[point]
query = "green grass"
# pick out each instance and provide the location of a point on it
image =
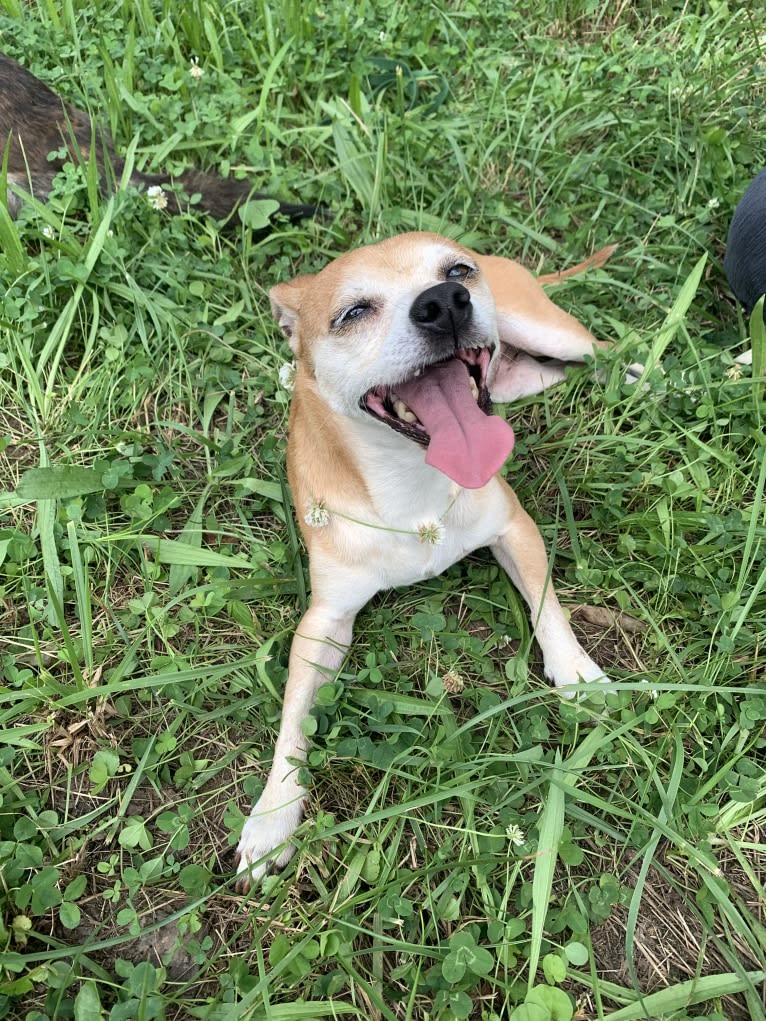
(475, 847)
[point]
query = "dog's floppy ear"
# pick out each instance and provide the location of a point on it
(286, 307)
(528, 321)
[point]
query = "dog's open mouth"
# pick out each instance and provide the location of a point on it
(446, 407)
(385, 403)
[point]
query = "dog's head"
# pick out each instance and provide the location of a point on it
(404, 331)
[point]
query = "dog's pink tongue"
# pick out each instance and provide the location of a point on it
(466, 444)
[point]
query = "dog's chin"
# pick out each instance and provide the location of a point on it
(383, 403)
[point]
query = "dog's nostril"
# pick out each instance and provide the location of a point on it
(428, 312)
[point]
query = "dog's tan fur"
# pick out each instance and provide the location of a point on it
(368, 489)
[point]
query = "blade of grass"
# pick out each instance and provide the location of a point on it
(564, 777)
(758, 342)
(668, 800)
(82, 596)
(9, 238)
(54, 579)
(666, 333)
(550, 829)
(53, 350)
(687, 994)
(191, 536)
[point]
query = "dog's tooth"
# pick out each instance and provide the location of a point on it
(403, 411)
(474, 388)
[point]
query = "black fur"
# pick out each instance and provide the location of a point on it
(745, 261)
(35, 122)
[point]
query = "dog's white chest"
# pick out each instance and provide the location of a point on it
(417, 533)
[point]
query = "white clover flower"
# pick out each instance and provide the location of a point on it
(47, 231)
(317, 515)
(733, 373)
(516, 835)
(453, 682)
(287, 375)
(431, 533)
(195, 70)
(157, 197)
(713, 203)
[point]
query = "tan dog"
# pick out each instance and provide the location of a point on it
(393, 458)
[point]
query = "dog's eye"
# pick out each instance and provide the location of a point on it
(460, 271)
(347, 315)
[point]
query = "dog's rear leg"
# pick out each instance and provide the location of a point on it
(317, 652)
(521, 553)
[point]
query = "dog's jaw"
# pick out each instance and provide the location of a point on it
(383, 403)
(446, 407)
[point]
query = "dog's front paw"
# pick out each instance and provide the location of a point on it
(260, 846)
(572, 670)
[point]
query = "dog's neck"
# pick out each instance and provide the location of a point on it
(401, 486)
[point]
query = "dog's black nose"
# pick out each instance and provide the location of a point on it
(444, 308)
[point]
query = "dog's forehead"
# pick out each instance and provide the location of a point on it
(404, 260)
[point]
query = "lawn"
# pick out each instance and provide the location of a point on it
(475, 847)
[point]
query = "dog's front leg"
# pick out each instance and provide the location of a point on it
(317, 652)
(521, 552)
